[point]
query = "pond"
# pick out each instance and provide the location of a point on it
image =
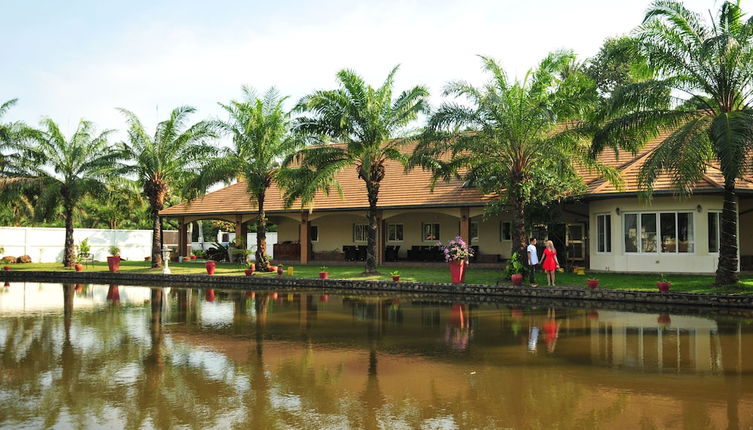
(107, 356)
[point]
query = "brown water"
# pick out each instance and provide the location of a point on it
(101, 356)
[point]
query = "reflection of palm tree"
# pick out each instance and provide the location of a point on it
(728, 332)
(372, 397)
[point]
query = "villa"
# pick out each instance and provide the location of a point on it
(605, 229)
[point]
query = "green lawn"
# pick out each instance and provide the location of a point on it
(687, 283)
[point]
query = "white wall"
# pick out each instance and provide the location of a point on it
(45, 245)
(699, 261)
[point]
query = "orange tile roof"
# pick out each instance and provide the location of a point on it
(412, 189)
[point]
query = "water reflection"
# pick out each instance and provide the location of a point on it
(115, 356)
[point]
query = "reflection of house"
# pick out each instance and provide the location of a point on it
(606, 229)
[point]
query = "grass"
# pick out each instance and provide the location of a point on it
(616, 281)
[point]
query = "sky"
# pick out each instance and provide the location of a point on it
(72, 60)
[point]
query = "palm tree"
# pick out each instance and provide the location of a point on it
(62, 170)
(166, 161)
(7, 132)
(711, 65)
(508, 139)
(260, 129)
(371, 126)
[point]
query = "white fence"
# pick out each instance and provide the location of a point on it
(45, 245)
(250, 240)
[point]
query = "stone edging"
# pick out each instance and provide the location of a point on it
(744, 301)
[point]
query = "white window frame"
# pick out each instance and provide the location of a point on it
(311, 236)
(437, 233)
(718, 215)
(402, 232)
(502, 231)
(657, 215)
(478, 232)
(607, 234)
(365, 232)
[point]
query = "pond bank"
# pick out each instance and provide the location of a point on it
(743, 301)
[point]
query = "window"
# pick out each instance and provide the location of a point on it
(395, 232)
(714, 231)
(474, 232)
(604, 233)
(360, 232)
(665, 232)
(314, 233)
(506, 231)
(429, 232)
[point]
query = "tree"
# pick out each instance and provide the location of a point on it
(123, 206)
(7, 131)
(370, 127)
(511, 139)
(166, 161)
(711, 66)
(262, 139)
(618, 62)
(63, 171)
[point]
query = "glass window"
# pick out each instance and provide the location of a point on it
(360, 232)
(474, 232)
(604, 233)
(506, 231)
(714, 231)
(395, 232)
(685, 233)
(668, 225)
(430, 232)
(314, 233)
(648, 233)
(631, 232)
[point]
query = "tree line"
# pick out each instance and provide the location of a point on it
(678, 75)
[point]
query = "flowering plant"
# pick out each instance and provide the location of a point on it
(456, 250)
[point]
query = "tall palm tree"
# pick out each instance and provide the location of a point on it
(371, 127)
(711, 66)
(166, 161)
(262, 139)
(7, 132)
(509, 138)
(63, 170)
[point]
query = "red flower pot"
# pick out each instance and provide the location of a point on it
(279, 271)
(113, 263)
(663, 286)
(271, 268)
(78, 267)
(249, 272)
(252, 267)
(395, 278)
(517, 279)
(210, 295)
(457, 269)
(210, 266)
(465, 270)
(6, 268)
(193, 257)
(593, 283)
(323, 275)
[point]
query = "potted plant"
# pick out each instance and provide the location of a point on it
(514, 270)
(78, 266)
(663, 284)
(456, 254)
(210, 266)
(323, 274)
(251, 269)
(395, 275)
(6, 268)
(113, 261)
(84, 250)
(279, 270)
(593, 283)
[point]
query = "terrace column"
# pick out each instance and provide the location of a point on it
(183, 243)
(465, 225)
(380, 239)
(241, 230)
(305, 237)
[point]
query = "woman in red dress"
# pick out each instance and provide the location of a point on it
(550, 263)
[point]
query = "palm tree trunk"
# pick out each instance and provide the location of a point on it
(519, 239)
(156, 239)
(726, 272)
(261, 235)
(371, 241)
(69, 257)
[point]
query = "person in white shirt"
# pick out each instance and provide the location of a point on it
(533, 260)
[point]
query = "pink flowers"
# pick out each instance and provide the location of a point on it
(456, 250)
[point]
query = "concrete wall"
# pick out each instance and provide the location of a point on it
(45, 245)
(699, 261)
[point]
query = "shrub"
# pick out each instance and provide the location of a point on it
(8, 259)
(514, 266)
(23, 259)
(114, 251)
